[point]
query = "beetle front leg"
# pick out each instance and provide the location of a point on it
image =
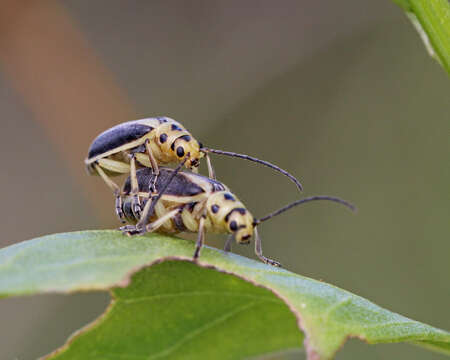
(118, 206)
(211, 172)
(154, 164)
(200, 238)
(135, 203)
(258, 251)
(227, 246)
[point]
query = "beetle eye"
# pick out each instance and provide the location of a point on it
(180, 151)
(233, 226)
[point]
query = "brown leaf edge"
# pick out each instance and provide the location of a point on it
(311, 353)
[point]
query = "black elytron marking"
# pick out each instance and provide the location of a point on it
(162, 120)
(175, 127)
(228, 196)
(163, 138)
(233, 226)
(246, 237)
(173, 146)
(179, 186)
(180, 151)
(117, 136)
(215, 208)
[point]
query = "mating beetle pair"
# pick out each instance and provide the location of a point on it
(160, 199)
(151, 142)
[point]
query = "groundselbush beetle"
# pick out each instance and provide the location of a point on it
(189, 202)
(150, 143)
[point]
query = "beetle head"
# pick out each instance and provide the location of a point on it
(227, 211)
(176, 142)
(186, 144)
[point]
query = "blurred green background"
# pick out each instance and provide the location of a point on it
(341, 94)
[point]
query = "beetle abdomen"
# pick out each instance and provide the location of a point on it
(117, 136)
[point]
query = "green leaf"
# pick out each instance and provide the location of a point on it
(431, 18)
(175, 308)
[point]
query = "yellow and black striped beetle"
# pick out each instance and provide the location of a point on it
(190, 202)
(149, 143)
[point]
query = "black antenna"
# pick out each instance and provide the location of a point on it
(302, 201)
(251, 158)
(163, 189)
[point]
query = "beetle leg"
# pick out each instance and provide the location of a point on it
(141, 223)
(211, 172)
(135, 230)
(258, 251)
(119, 211)
(200, 238)
(158, 223)
(116, 190)
(227, 247)
(135, 203)
(154, 164)
(115, 166)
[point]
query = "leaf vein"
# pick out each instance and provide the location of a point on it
(197, 293)
(201, 329)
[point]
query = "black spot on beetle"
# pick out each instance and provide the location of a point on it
(233, 226)
(200, 145)
(246, 237)
(162, 120)
(173, 146)
(215, 208)
(185, 137)
(175, 127)
(180, 151)
(229, 197)
(239, 210)
(163, 138)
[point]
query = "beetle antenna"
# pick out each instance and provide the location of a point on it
(302, 201)
(163, 189)
(251, 158)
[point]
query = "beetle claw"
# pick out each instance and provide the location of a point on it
(130, 230)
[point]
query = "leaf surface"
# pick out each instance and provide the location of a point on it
(228, 307)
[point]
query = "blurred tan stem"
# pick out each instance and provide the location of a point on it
(59, 77)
